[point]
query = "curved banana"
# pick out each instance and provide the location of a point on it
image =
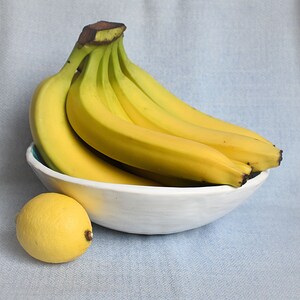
(112, 103)
(110, 100)
(136, 146)
(173, 104)
(57, 143)
(258, 154)
(115, 107)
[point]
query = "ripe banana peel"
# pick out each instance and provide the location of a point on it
(101, 117)
(138, 146)
(260, 155)
(167, 100)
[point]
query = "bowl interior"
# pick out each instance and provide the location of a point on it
(145, 209)
(36, 161)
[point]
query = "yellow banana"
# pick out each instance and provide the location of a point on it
(137, 146)
(163, 97)
(258, 154)
(57, 143)
(112, 103)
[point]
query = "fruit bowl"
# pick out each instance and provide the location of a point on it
(146, 209)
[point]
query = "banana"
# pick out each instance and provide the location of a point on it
(258, 154)
(137, 146)
(112, 103)
(163, 97)
(57, 143)
(115, 107)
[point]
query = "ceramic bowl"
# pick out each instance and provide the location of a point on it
(146, 209)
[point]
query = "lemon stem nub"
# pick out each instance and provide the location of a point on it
(88, 235)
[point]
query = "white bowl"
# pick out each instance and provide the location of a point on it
(146, 209)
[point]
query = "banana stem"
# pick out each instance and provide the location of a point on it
(122, 53)
(93, 64)
(74, 60)
(92, 36)
(103, 68)
(114, 61)
(101, 33)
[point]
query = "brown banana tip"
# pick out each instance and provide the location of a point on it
(280, 157)
(244, 179)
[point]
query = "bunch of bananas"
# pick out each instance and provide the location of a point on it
(103, 118)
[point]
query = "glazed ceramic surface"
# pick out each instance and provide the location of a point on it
(144, 209)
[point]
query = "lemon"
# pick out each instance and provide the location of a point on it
(53, 228)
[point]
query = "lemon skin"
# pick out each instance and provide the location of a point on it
(53, 228)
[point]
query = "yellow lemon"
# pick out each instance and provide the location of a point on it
(54, 228)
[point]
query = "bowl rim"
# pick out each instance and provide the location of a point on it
(221, 189)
